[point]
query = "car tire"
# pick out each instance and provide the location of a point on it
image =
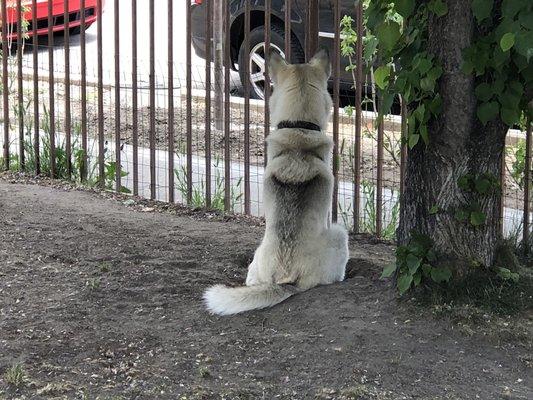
(257, 47)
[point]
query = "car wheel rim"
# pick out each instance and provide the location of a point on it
(257, 67)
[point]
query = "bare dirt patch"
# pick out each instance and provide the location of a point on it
(103, 300)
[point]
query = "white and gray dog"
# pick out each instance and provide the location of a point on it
(300, 248)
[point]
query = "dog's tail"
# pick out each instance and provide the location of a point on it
(223, 300)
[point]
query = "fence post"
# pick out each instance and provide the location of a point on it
(151, 24)
(268, 13)
(5, 84)
(118, 167)
(66, 47)
(218, 41)
(288, 16)
(134, 84)
(36, 122)
(336, 105)
(171, 101)
(527, 187)
(51, 91)
(20, 94)
(311, 32)
(358, 115)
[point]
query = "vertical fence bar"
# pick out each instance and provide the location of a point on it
(134, 101)
(100, 90)
(336, 95)
(152, 99)
(118, 166)
(358, 116)
(5, 84)
(83, 51)
(36, 122)
(171, 101)
(20, 113)
(227, 116)
(51, 91)
(502, 194)
(403, 146)
(68, 116)
(268, 13)
(527, 188)
(189, 102)
(288, 14)
(379, 177)
(208, 36)
(247, 107)
(311, 33)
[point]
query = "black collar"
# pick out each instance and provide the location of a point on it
(299, 125)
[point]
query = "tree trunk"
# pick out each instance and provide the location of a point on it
(459, 144)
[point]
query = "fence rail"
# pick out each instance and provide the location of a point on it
(180, 133)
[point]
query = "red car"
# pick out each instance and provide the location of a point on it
(58, 9)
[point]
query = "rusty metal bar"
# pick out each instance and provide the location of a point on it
(208, 49)
(311, 31)
(268, 13)
(68, 115)
(227, 115)
(51, 91)
(171, 101)
(189, 102)
(152, 99)
(288, 13)
(527, 188)
(83, 51)
(134, 94)
(358, 116)
(379, 174)
(247, 107)
(5, 84)
(20, 94)
(403, 146)
(336, 95)
(502, 192)
(36, 122)
(100, 94)
(118, 166)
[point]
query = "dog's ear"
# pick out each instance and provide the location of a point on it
(321, 60)
(276, 63)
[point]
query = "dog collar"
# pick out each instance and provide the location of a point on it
(299, 125)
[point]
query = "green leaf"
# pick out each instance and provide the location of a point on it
(388, 271)
(423, 65)
(461, 215)
(524, 45)
(424, 133)
(434, 210)
(388, 34)
(507, 41)
(464, 182)
(482, 9)
(438, 7)
(413, 262)
(417, 278)
(488, 111)
(381, 76)
(426, 269)
(431, 256)
(511, 7)
(510, 116)
(442, 274)
(413, 140)
(404, 7)
(427, 84)
(404, 283)
(483, 185)
(484, 92)
(477, 218)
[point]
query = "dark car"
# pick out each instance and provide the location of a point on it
(257, 35)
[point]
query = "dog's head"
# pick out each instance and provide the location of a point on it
(300, 90)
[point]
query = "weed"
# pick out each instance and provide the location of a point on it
(15, 376)
(93, 283)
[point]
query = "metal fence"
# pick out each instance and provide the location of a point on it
(181, 132)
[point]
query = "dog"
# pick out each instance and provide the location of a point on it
(300, 248)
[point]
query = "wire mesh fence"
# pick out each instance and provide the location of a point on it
(169, 101)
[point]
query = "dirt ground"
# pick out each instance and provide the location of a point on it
(101, 298)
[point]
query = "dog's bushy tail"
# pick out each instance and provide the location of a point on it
(223, 300)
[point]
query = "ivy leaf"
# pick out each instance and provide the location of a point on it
(477, 218)
(427, 84)
(404, 283)
(413, 140)
(438, 7)
(424, 133)
(413, 262)
(483, 185)
(464, 182)
(404, 7)
(434, 210)
(388, 271)
(523, 44)
(482, 9)
(510, 116)
(511, 7)
(426, 269)
(488, 111)
(388, 34)
(381, 76)
(484, 92)
(507, 41)
(461, 215)
(442, 274)
(417, 278)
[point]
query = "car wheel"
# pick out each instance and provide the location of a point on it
(257, 56)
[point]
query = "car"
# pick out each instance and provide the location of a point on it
(257, 35)
(58, 8)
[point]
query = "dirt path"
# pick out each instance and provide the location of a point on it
(98, 300)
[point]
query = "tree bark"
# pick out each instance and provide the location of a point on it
(459, 144)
